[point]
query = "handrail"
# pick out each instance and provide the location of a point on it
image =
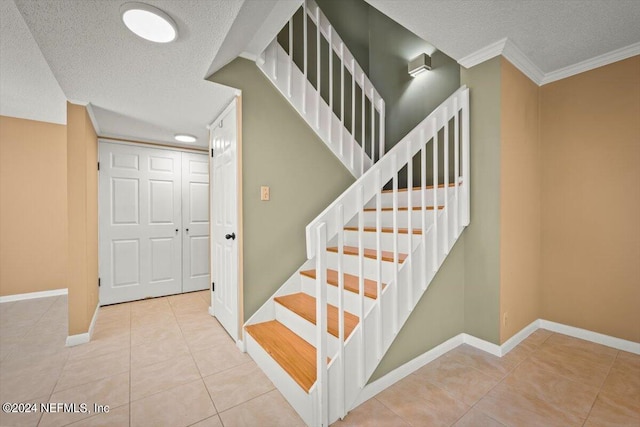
(409, 145)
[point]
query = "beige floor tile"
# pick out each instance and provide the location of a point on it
(115, 313)
(510, 407)
(219, 358)
(150, 379)
(78, 372)
(237, 385)
(187, 303)
(209, 422)
(26, 419)
(25, 384)
(206, 296)
(487, 364)
(622, 381)
(155, 319)
(476, 418)
(629, 362)
(111, 330)
(421, 403)
(158, 351)
(577, 348)
(100, 347)
(371, 413)
(111, 391)
(150, 305)
(153, 332)
(118, 417)
(201, 339)
(176, 407)
(33, 361)
(560, 362)
(463, 382)
(196, 321)
(268, 410)
(613, 410)
(566, 395)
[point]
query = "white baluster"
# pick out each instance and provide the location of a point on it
(394, 167)
(341, 99)
(353, 111)
(410, 224)
(436, 255)
(466, 164)
(341, 374)
(362, 135)
(361, 313)
(373, 126)
(305, 54)
(423, 191)
(330, 118)
(456, 167)
(318, 59)
(321, 327)
(382, 138)
(290, 82)
(378, 184)
(445, 231)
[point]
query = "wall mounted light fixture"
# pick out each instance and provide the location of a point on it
(419, 64)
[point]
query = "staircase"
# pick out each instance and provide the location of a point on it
(373, 252)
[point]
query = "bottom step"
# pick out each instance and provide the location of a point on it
(292, 353)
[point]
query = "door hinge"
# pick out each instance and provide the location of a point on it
(212, 152)
(98, 282)
(98, 165)
(213, 286)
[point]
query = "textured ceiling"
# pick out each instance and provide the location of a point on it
(159, 87)
(28, 88)
(552, 34)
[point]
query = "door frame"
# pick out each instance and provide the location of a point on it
(236, 103)
(143, 144)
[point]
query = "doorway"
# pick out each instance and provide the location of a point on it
(153, 222)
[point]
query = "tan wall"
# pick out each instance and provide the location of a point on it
(520, 202)
(82, 191)
(590, 126)
(33, 206)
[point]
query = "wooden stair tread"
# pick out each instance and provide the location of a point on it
(428, 187)
(384, 230)
(403, 208)
(351, 283)
(304, 305)
(292, 353)
(369, 253)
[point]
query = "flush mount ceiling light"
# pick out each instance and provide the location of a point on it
(419, 64)
(185, 138)
(149, 22)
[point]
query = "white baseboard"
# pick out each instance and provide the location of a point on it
(241, 346)
(73, 340)
(210, 310)
(32, 295)
(609, 341)
(413, 365)
(408, 368)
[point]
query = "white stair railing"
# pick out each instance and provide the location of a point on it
(393, 304)
(357, 145)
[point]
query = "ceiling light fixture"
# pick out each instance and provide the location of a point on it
(419, 64)
(149, 22)
(185, 138)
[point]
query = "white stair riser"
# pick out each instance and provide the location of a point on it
(416, 199)
(386, 240)
(302, 401)
(350, 266)
(303, 328)
(351, 300)
(386, 218)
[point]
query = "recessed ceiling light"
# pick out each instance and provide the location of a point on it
(185, 138)
(149, 22)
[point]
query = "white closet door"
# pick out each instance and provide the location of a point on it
(195, 220)
(140, 223)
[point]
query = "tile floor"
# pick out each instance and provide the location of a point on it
(166, 362)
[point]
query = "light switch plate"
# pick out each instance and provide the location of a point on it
(264, 193)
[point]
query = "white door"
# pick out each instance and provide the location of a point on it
(195, 222)
(140, 223)
(224, 210)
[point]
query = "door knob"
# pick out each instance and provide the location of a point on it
(231, 236)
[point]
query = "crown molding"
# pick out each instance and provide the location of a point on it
(590, 64)
(484, 54)
(513, 54)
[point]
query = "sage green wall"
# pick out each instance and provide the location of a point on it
(482, 237)
(279, 150)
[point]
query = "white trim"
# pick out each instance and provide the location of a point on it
(32, 295)
(609, 341)
(483, 345)
(524, 333)
(241, 346)
(152, 145)
(522, 62)
(408, 368)
(590, 64)
(484, 54)
(248, 55)
(413, 365)
(210, 310)
(231, 105)
(513, 54)
(73, 340)
(94, 120)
